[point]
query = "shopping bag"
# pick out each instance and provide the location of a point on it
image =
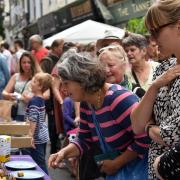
(134, 170)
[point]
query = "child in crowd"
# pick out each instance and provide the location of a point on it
(70, 127)
(35, 114)
(68, 114)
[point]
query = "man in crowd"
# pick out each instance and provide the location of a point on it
(36, 44)
(19, 48)
(47, 63)
(5, 51)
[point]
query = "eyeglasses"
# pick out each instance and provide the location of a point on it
(155, 32)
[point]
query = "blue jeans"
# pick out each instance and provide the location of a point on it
(38, 155)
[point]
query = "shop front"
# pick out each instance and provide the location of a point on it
(47, 24)
(28, 31)
(78, 12)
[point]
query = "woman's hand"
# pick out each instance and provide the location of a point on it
(155, 165)
(26, 97)
(11, 96)
(167, 77)
(32, 143)
(76, 121)
(108, 167)
(56, 159)
(154, 134)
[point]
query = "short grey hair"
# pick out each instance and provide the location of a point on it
(86, 71)
(37, 38)
(135, 40)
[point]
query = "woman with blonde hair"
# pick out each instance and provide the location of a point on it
(115, 61)
(159, 111)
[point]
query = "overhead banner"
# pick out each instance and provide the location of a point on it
(125, 10)
(76, 13)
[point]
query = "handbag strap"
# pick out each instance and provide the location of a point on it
(104, 146)
(135, 78)
(23, 89)
(24, 86)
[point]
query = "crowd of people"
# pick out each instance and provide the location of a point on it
(115, 102)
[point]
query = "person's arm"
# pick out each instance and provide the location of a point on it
(155, 165)
(8, 90)
(55, 89)
(71, 150)
(111, 166)
(77, 113)
(32, 115)
(46, 94)
(167, 164)
(32, 127)
(32, 131)
(67, 112)
(154, 134)
(143, 112)
(77, 147)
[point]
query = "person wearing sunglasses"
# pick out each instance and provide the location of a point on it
(159, 110)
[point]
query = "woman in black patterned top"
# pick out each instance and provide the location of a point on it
(159, 111)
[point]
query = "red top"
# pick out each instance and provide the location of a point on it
(40, 54)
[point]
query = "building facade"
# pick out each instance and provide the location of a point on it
(21, 16)
(46, 17)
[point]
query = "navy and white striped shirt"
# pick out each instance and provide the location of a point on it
(35, 112)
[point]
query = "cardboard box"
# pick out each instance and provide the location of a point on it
(19, 133)
(5, 109)
(20, 142)
(14, 128)
(5, 148)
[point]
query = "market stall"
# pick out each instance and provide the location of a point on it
(85, 32)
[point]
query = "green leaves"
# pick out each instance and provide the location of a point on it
(136, 25)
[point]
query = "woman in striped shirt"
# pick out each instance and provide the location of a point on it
(84, 79)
